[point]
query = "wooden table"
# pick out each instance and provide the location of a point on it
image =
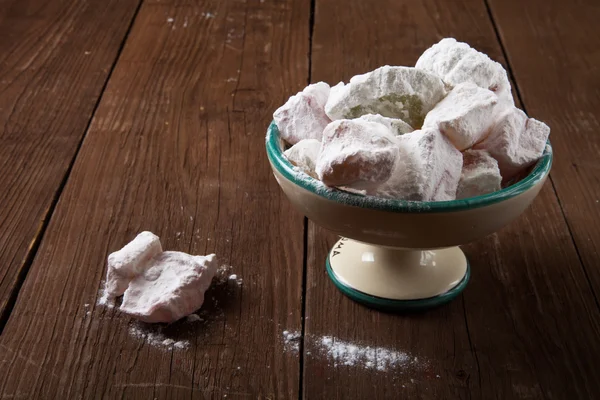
(118, 116)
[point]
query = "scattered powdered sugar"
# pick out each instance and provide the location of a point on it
(377, 358)
(343, 353)
(104, 297)
(291, 340)
(232, 277)
(156, 338)
(222, 275)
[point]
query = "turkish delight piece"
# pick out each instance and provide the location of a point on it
(457, 62)
(480, 174)
(465, 116)
(395, 125)
(130, 261)
(428, 168)
(304, 155)
(357, 154)
(516, 142)
(171, 288)
(395, 92)
(303, 115)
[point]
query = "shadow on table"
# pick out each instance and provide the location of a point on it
(219, 301)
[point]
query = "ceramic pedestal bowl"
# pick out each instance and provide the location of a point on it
(401, 255)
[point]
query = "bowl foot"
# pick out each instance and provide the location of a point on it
(397, 279)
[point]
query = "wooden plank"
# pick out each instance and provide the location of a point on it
(503, 338)
(55, 57)
(176, 147)
(555, 60)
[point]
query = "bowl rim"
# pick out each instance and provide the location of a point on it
(279, 162)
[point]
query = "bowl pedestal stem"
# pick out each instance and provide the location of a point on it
(397, 279)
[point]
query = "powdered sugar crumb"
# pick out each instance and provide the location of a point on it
(234, 278)
(291, 341)
(193, 318)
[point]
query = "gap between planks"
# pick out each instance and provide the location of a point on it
(523, 106)
(35, 243)
(311, 28)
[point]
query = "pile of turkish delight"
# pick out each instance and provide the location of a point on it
(446, 129)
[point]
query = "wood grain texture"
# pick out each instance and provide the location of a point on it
(55, 57)
(176, 147)
(527, 323)
(553, 50)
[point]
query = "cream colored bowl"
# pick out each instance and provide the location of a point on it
(397, 254)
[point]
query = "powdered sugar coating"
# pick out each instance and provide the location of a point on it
(394, 92)
(130, 261)
(480, 175)
(395, 125)
(515, 141)
(304, 155)
(336, 90)
(320, 91)
(171, 288)
(356, 153)
(465, 115)
(457, 62)
(428, 168)
(303, 115)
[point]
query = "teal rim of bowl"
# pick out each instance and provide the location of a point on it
(275, 154)
(382, 303)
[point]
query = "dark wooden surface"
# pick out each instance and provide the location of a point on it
(182, 118)
(175, 146)
(55, 57)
